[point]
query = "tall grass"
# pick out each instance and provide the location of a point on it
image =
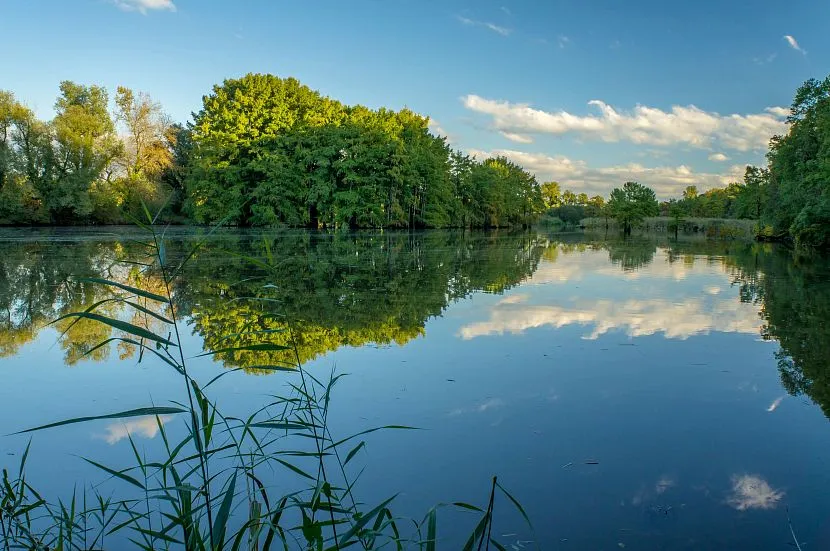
(711, 228)
(213, 488)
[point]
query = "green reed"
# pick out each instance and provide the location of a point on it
(209, 489)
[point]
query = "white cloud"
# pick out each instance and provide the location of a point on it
(718, 157)
(518, 138)
(563, 41)
(504, 31)
(143, 426)
(764, 60)
(435, 128)
(636, 317)
(753, 492)
(143, 6)
(666, 181)
(782, 112)
(681, 125)
(506, 10)
(794, 44)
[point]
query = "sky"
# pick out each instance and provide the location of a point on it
(590, 93)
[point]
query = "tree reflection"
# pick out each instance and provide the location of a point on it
(335, 290)
(331, 290)
(794, 292)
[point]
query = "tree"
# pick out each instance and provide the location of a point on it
(798, 188)
(569, 197)
(551, 194)
(85, 147)
(146, 151)
(595, 206)
(690, 192)
(631, 204)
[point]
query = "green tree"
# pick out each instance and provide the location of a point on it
(631, 204)
(85, 146)
(551, 194)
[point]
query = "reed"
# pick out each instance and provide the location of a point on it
(212, 488)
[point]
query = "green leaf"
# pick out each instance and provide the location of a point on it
(141, 412)
(221, 522)
(516, 504)
(352, 453)
(364, 520)
(117, 474)
(296, 469)
(265, 346)
(432, 529)
(134, 290)
(468, 506)
(120, 325)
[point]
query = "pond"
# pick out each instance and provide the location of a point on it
(633, 394)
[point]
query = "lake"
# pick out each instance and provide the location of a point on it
(634, 394)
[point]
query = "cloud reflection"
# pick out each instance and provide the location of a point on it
(753, 492)
(146, 427)
(676, 320)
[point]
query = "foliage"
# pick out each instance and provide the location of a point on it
(799, 169)
(631, 204)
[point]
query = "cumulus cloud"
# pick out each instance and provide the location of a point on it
(681, 125)
(753, 492)
(142, 426)
(794, 44)
(143, 6)
(636, 317)
(666, 181)
(718, 157)
(518, 138)
(435, 128)
(504, 31)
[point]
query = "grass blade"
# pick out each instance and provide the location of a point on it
(141, 412)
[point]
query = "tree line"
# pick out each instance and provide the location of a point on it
(262, 151)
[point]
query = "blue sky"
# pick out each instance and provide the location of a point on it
(591, 93)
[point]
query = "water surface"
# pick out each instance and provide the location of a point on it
(631, 394)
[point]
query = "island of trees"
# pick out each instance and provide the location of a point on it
(267, 151)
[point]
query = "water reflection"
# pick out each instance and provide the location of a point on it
(145, 427)
(753, 492)
(356, 289)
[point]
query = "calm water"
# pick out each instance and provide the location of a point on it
(637, 395)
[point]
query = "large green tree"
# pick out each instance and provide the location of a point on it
(631, 204)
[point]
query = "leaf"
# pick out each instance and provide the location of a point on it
(119, 324)
(369, 431)
(141, 412)
(468, 506)
(477, 533)
(354, 451)
(432, 529)
(281, 425)
(115, 473)
(222, 515)
(295, 469)
(265, 346)
(134, 290)
(364, 520)
(516, 504)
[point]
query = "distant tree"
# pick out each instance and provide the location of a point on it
(690, 192)
(551, 194)
(569, 197)
(595, 206)
(631, 204)
(582, 199)
(85, 146)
